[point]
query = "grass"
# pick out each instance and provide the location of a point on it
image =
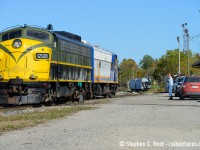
(19, 121)
(156, 89)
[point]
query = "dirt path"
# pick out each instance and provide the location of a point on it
(133, 122)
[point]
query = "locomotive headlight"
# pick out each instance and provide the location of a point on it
(32, 76)
(17, 43)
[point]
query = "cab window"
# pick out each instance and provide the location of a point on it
(38, 35)
(5, 37)
(11, 35)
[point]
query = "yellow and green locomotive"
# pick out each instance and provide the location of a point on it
(40, 65)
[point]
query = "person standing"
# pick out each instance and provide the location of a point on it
(170, 85)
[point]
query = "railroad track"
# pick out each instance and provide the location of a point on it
(14, 109)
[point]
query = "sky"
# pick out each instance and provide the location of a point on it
(129, 28)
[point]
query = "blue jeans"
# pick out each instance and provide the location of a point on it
(170, 90)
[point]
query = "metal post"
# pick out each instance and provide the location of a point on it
(186, 44)
(179, 64)
(80, 97)
(188, 55)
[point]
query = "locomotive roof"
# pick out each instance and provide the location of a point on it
(23, 27)
(59, 36)
(103, 50)
(69, 35)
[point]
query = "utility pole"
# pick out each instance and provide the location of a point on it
(186, 44)
(188, 53)
(179, 64)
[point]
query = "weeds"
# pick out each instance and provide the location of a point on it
(30, 119)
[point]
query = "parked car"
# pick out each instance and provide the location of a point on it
(177, 83)
(190, 87)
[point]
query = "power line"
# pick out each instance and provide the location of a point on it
(194, 37)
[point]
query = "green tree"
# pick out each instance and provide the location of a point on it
(147, 66)
(127, 70)
(146, 62)
(169, 63)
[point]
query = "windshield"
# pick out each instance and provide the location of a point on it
(180, 79)
(192, 79)
(11, 35)
(38, 35)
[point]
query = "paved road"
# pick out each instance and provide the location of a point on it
(133, 122)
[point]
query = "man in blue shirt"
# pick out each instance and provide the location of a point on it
(170, 83)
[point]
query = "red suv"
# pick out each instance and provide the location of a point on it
(190, 87)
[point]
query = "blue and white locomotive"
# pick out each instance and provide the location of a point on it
(104, 72)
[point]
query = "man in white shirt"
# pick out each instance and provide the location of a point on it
(170, 85)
